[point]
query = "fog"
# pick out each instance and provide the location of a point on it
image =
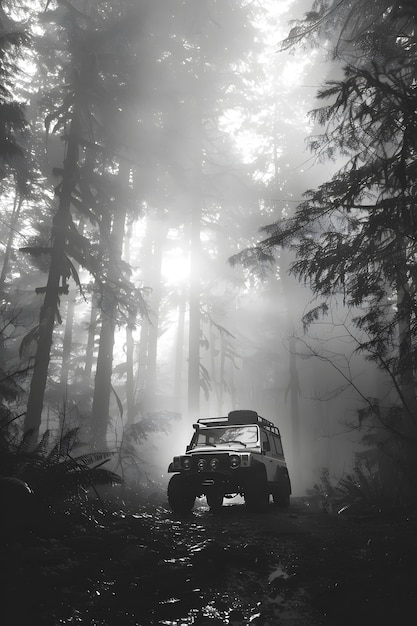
(254, 169)
(262, 378)
(195, 222)
(213, 135)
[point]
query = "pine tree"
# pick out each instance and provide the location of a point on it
(355, 234)
(84, 111)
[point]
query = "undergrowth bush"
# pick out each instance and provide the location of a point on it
(362, 489)
(57, 468)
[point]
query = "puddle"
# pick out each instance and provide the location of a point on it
(278, 572)
(222, 608)
(177, 561)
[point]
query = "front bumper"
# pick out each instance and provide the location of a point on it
(223, 463)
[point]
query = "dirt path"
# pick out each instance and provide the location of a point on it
(298, 567)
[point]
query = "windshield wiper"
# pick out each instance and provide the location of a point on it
(235, 441)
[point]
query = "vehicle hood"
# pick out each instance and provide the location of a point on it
(220, 448)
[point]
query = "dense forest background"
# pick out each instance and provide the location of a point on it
(143, 144)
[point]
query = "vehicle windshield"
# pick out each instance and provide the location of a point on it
(247, 436)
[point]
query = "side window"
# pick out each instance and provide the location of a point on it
(277, 445)
(266, 446)
(272, 440)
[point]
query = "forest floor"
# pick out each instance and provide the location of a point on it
(125, 564)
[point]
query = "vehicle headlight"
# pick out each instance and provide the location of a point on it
(186, 463)
(214, 464)
(201, 464)
(234, 461)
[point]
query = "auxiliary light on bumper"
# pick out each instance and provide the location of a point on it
(214, 464)
(234, 461)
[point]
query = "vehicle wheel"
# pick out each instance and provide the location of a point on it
(281, 495)
(256, 493)
(214, 500)
(181, 496)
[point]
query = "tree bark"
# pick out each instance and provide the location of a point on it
(18, 201)
(130, 344)
(67, 346)
(158, 236)
(179, 354)
(130, 374)
(57, 270)
(194, 317)
(91, 339)
(408, 393)
(195, 191)
(100, 416)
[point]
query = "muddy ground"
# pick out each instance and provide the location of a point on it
(123, 564)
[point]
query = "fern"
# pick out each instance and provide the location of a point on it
(64, 445)
(362, 487)
(43, 444)
(55, 473)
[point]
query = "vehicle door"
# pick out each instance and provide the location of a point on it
(269, 458)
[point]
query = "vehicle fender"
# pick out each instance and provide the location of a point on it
(282, 475)
(258, 466)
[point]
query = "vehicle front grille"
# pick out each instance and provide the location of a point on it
(222, 459)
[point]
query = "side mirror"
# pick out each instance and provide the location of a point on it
(266, 446)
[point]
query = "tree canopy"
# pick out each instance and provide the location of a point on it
(143, 143)
(354, 236)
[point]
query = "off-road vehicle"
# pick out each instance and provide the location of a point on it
(238, 454)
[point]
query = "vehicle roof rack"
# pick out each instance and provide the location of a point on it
(213, 421)
(240, 417)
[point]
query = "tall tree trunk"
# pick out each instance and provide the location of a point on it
(294, 381)
(142, 365)
(130, 347)
(233, 394)
(194, 315)
(179, 353)
(67, 346)
(146, 263)
(57, 270)
(158, 231)
(218, 349)
(17, 206)
(195, 190)
(294, 385)
(213, 367)
(222, 375)
(130, 373)
(196, 153)
(407, 389)
(92, 332)
(100, 415)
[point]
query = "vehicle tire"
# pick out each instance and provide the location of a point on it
(181, 495)
(281, 494)
(214, 500)
(256, 493)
